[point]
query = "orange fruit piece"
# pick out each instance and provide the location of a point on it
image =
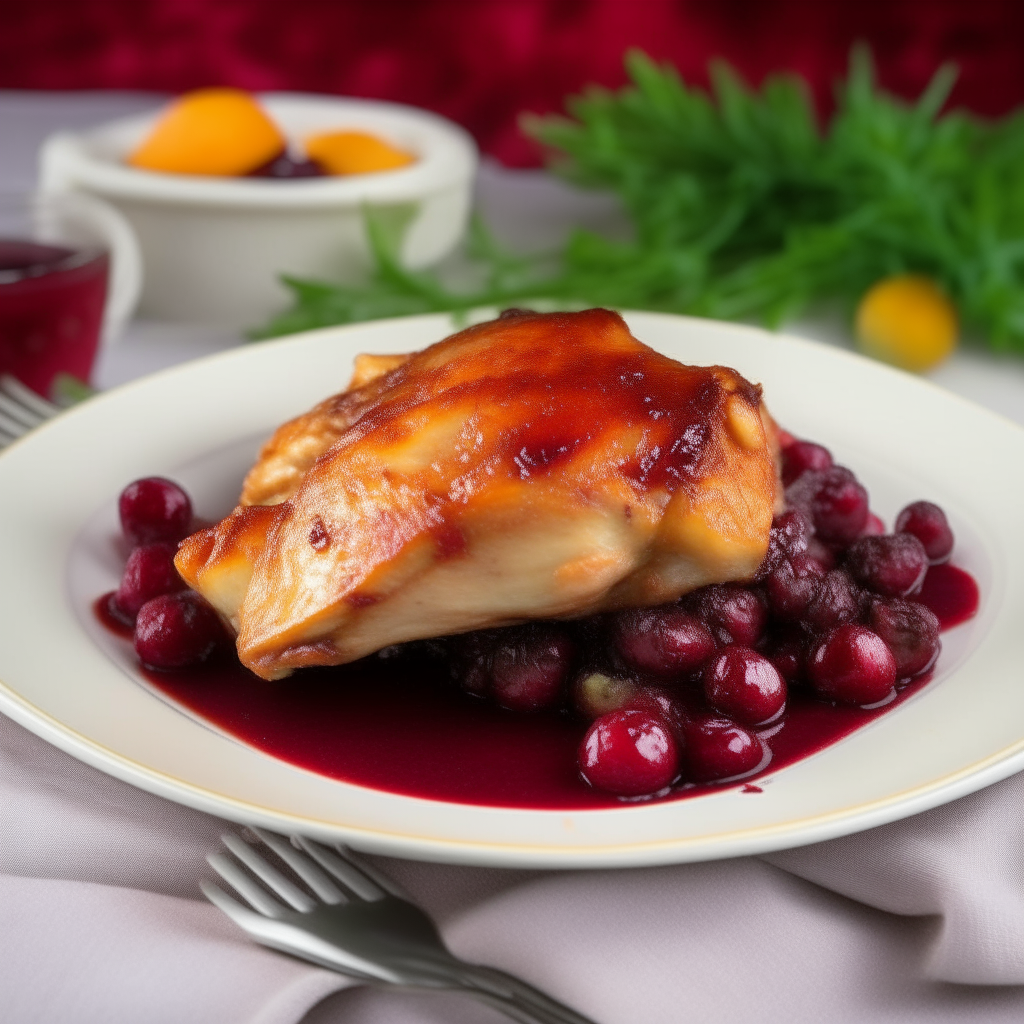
(355, 153)
(907, 320)
(222, 132)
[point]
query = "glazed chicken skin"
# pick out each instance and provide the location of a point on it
(536, 466)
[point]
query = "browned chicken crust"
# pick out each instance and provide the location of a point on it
(536, 466)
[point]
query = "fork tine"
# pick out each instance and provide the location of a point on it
(27, 397)
(348, 874)
(238, 913)
(391, 887)
(11, 427)
(321, 885)
(268, 874)
(20, 413)
(256, 897)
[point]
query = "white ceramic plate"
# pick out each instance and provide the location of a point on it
(67, 681)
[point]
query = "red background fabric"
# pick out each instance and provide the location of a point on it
(482, 62)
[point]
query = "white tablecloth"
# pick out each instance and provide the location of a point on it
(101, 917)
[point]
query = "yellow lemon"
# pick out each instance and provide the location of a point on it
(355, 153)
(907, 320)
(222, 132)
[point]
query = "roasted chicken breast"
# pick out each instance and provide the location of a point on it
(536, 466)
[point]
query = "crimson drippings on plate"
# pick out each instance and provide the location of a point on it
(652, 591)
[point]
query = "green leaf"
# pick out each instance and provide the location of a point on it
(744, 207)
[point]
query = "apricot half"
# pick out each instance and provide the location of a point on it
(222, 132)
(355, 153)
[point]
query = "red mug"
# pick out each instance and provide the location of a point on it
(70, 276)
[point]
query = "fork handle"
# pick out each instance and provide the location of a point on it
(524, 994)
(509, 1007)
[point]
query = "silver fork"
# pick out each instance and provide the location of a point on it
(353, 920)
(21, 409)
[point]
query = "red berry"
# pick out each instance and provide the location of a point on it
(837, 600)
(928, 523)
(802, 456)
(787, 655)
(154, 510)
(893, 565)
(668, 706)
(874, 527)
(176, 631)
(744, 685)
(715, 748)
(530, 667)
(469, 659)
(821, 554)
(792, 586)
(734, 614)
(148, 573)
(629, 753)
(665, 641)
(835, 501)
(853, 665)
(910, 631)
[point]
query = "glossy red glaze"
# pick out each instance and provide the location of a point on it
(950, 593)
(561, 397)
(401, 727)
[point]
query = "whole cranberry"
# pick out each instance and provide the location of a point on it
(928, 523)
(595, 693)
(530, 667)
(874, 527)
(836, 600)
(853, 665)
(715, 748)
(744, 685)
(629, 753)
(734, 614)
(469, 658)
(148, 573)
(665, 641)
(893, 565)
(154, 510)
(910, 631)
(801, 456)
(176, 630)
(285, 166)
(789, 535)
(668, 705)
(787, 654)
(835, 501)
(821, 553)
(792, 586)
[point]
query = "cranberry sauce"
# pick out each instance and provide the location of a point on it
(552, 392)
(400, 726)
(839, 623)
(950, 593)
(51, 309)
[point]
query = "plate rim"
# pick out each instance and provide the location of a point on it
(756, 839)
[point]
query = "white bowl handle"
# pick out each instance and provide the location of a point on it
(57, 178)
(125, 263)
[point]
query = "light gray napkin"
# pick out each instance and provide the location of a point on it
(101, 920)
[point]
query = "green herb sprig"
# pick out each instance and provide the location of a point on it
(743, 207)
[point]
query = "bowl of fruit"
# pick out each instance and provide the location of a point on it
(229, 191)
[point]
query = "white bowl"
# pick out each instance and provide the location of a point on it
(214, 248)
